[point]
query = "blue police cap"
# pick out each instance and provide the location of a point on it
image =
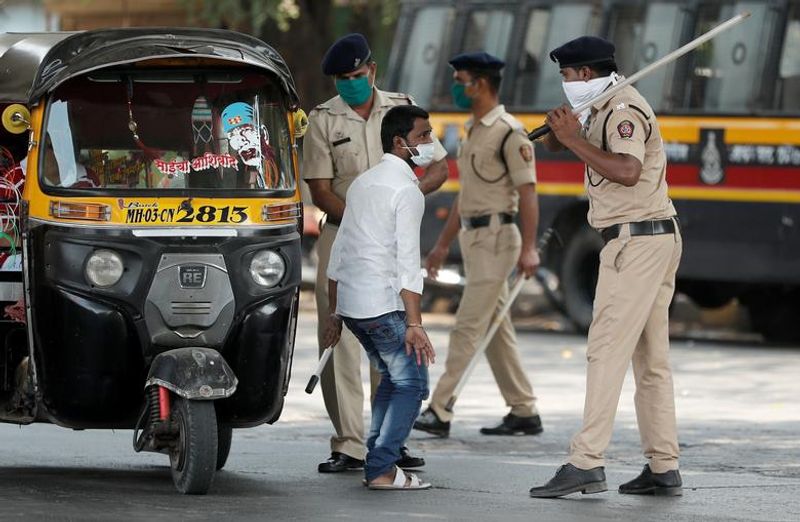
(584, 50)
(472, 61)
(347, 54)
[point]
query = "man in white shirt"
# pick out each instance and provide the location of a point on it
(375, 285)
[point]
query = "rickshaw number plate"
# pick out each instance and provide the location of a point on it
(192, 276)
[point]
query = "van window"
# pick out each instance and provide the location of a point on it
(789, 71)
(728, 69)
(488, 31)
(642, 36)
(423, 56)
(566, 22)
(531, 59)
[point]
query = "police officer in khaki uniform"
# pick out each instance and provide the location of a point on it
(620, 142)
(497, 174)
(344, 140)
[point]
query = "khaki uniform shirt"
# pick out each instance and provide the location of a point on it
(489, 176)
(630, 128)
(339, 144)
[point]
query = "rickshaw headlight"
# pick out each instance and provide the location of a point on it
(267, 268)
(104, 268)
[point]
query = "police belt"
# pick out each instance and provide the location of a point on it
(642, 228)
(483, 221)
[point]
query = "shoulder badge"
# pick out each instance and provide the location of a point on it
(526, 151)
(625, 129)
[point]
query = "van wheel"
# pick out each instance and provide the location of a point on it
(193, 459)
(708, 295)
(774, 314)
(579, 275)
(224, 439)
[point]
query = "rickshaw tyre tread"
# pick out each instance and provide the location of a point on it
(201, 452)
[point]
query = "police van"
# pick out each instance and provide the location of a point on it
(728, 114)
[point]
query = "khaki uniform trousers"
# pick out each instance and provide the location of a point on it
(635, 285)
(341, 385)
(489, 253)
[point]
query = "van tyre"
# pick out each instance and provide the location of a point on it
(224, 439)
(774, 313)
(579, 274)
(193, 459)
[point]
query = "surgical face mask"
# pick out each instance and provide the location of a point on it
(580, 92)
(355, 91)
(424, 155)
(460, 98)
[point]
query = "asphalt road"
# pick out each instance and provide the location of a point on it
(738, 415)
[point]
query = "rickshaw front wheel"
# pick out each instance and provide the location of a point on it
(193, 459)
(224, 439)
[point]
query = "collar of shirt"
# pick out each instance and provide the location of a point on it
(401, 164)
(338, 105)
(489, 118)
(599, 106)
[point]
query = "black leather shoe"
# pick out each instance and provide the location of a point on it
(340, 462)
(667, 484)
(513, 425)
(569, 479)
(428, 421)
(408, 461)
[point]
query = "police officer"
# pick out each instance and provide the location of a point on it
(620, 142)
(344, 140)
(498, 177)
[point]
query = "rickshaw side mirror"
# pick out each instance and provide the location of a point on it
(16, 118)
(300, 123)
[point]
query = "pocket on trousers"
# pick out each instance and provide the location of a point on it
(388, 333)
(508, 239)
(490, 258)
(611, 254)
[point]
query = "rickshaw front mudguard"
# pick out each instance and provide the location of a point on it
(193, 373)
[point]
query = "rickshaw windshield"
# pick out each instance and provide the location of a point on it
(168, 131)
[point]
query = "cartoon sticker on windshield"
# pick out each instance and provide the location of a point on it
(239, 124)
(251, 141)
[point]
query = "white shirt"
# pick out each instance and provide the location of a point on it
(376, 251)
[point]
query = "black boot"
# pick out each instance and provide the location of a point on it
(430, 422)
(513, 425)
(569, 479)
(667, 484)
(408, 461)
(340, 462)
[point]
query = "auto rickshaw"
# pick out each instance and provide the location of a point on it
(156, 238)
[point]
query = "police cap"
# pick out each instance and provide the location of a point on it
(581, 51)
(481, 61)
(347, 54)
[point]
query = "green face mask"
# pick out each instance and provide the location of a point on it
(460, 98)
(354, 92)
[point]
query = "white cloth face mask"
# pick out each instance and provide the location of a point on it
(424, 155)
(579, 92)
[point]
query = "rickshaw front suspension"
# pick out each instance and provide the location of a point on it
(163, 402)
(157, 433)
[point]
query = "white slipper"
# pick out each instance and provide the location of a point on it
(402, 482)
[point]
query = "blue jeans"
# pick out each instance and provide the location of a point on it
(403, 387)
